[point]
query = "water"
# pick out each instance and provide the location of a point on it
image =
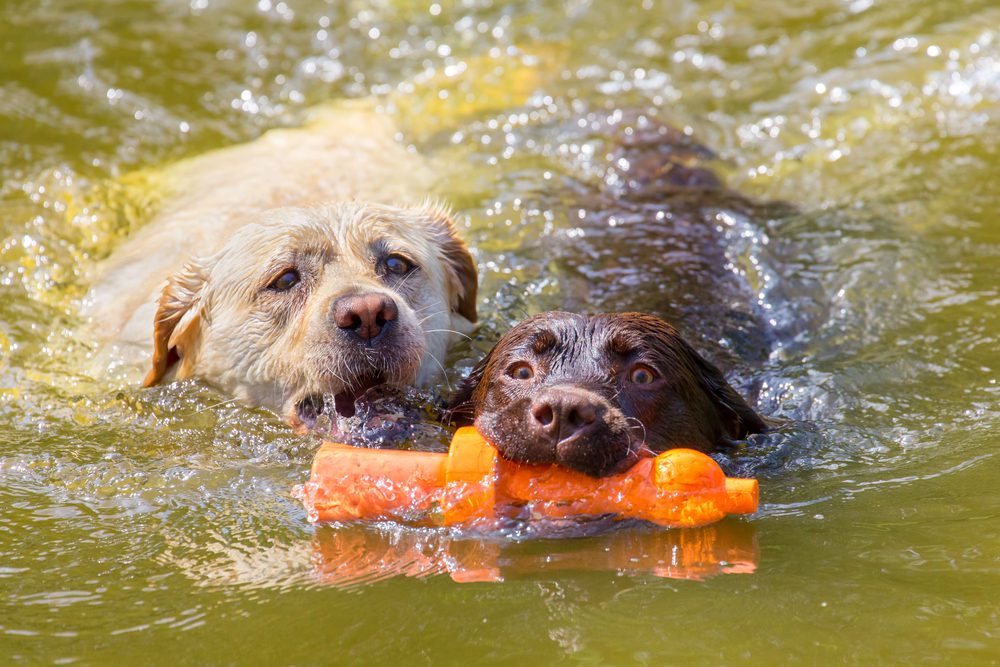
(158, 525)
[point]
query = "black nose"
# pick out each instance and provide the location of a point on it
(364, 315)
(560, 414)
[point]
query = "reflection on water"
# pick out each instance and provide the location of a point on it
(356, 555)
(863, 311)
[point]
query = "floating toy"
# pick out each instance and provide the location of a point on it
(472, 482)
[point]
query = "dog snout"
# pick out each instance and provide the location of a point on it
(561, 414)
(365, 315)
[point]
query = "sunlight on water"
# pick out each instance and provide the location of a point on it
(846, 279)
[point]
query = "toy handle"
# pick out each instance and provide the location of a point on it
(351, 483)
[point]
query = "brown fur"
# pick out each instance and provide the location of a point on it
(580, 406)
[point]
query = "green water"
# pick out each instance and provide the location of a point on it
(157, 526)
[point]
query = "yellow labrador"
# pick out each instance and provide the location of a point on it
(283, 284)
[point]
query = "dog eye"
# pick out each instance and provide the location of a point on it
(286, 281)
(642, 375)
(398, 265)
(521, 371)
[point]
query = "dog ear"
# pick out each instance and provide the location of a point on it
(177, 327)
(463, 278)
(738, 418)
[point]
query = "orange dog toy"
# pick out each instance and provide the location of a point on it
(680, 487)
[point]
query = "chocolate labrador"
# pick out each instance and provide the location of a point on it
(593, 393)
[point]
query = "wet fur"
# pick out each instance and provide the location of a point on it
(689, 404)
(219, 320)
(186, 294)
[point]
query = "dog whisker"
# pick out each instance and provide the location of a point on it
(616, 394)
(443, 371)
(457, 333)
(424, 307)
(427, 317)
(639, 448)
(405, 278)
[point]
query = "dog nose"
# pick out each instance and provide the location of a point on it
(365, 315)
(561, 414)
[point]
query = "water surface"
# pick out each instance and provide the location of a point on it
(157, 526)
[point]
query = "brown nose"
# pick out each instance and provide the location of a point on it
(560, 414)
(364, 315)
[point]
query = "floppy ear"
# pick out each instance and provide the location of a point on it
(738, 418)
(463, 279)
(177, 326)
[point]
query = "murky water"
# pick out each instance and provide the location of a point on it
(157, 526)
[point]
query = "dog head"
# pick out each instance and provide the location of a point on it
(595, 393)
(312, 302)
